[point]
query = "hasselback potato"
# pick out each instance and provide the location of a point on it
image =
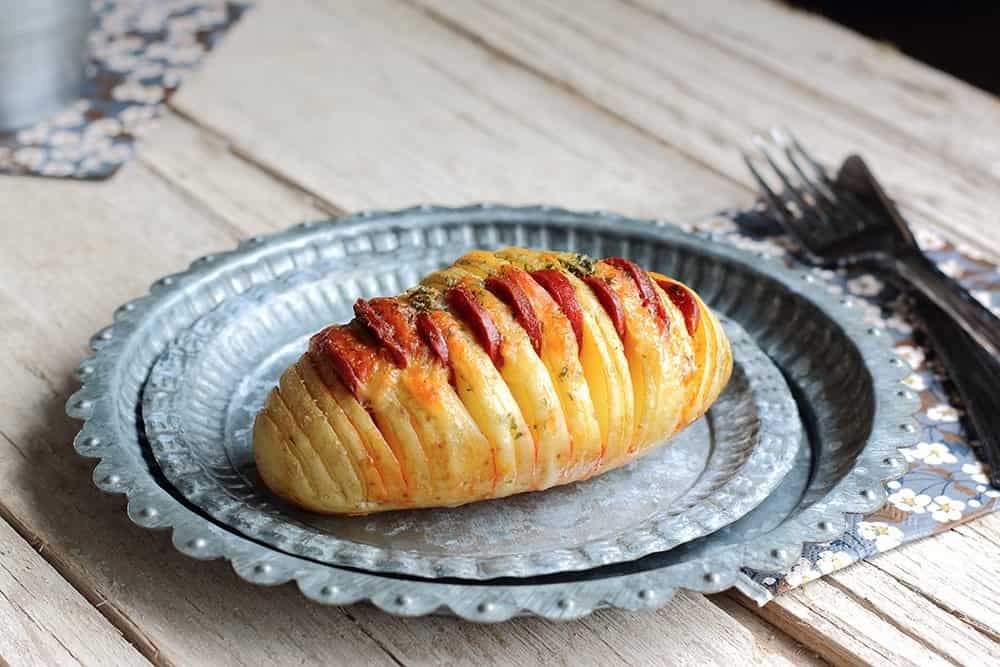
(506, 372)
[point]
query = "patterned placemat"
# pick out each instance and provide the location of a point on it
(945, 484)
(140, 52)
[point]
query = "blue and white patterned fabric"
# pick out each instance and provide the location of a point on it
(140, 52)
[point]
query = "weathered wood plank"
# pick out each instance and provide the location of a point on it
(394, 111)
(913, 102)
(43, 621)
(830, 622)
(915, 612)
(688, 630)
(707, 101)
(769, 635)
(938, 595)
(958, 571)
(863, 615)
(208, 170)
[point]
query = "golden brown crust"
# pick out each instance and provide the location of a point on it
(506, 372)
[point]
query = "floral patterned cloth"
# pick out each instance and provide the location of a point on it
(140, 52)
(945, 485)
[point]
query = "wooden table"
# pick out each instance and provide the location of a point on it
(310, 109)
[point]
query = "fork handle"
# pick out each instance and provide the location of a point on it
(982, 325)
(974, 374)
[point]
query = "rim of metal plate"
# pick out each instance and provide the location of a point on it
(718, 498)
(107, 404)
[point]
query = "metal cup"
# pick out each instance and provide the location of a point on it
(43, 56)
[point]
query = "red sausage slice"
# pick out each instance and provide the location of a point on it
(508, 291)
(561, 291)
(341, 350)
(382, 331)
(682, 298)
(432, 336)
(610, 301)
(645, 286)
(464, 304)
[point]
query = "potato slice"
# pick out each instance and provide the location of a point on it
(706, 355)
(489, 402)
(386, 403)
(279, 467)
(322, 438)
(324, 489)
(606, 369)
(458, 452)
(377, 472)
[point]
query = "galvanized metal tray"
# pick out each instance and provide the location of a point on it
(844, 378)
(205, 389)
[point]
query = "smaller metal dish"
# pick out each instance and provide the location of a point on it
(205, 389)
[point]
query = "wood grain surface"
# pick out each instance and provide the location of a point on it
(309, 109)
(44, 621)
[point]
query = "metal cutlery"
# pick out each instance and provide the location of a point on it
(848, 220)
(834, 228)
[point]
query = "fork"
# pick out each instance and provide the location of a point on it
(827, 219)
(850, 221)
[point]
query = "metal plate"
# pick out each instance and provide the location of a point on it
(845, 380)
(204, 391)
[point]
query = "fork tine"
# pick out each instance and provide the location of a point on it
(823, 196)
(859, 216)
(796, 194)
(826, 200)
(818, 183)
(817, 168)
(854, 217)
(773, 200)
(787, 218)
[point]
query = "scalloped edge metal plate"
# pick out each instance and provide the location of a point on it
(738, 477)
(110, 431)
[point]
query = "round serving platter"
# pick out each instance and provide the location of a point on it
(205, 389)
(844, 379)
